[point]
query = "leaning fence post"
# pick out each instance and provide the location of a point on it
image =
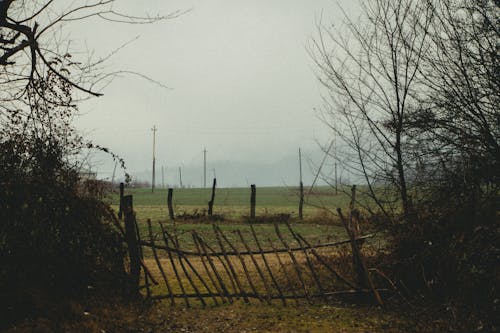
(252, 202)
(120, 209)
(211, 202)
(169, 203)
(131, 239)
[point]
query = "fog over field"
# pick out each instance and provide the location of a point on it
(240, 84)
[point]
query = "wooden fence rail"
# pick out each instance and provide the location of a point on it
(258, 269)
(229, 273)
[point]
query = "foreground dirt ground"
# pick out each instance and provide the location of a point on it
(238, 317)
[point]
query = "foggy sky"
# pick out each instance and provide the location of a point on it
(242, 85)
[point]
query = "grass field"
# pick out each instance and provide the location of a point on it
(234, 203)
(232, 206)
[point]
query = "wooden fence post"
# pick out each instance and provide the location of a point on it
(252, 201)
(132, 240)
(351, 224)
(169, 203)
(120, 209)
(211, 202)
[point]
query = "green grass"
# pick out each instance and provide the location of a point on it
(266, 197)
(234, 203)
(265, 233)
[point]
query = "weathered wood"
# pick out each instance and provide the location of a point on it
(207, 270)
(141, 256)
(120, 208)
(322, 261)
(224, 265)
(214, 268)
(174, 266)
(283, 268)
(273, 279)
(160, 266)
(296, 296)
(363, 276)
(212, 198)
(235, 276)
(186, 273)
(252, 201)
(117, 224)
(242, 261)
(169, 204)
(294, 261)
(259, 271)
(308, 260)
(293, 249)
(132, 241)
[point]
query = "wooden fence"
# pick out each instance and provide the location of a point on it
(230, 266)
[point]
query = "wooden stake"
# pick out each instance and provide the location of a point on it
(236, 279)
(120, 209)
(294, 260)
(359, 262)
(242, 261)
(252, 201)
(268, 290)
(186, 273)
(211, 202)
(212, 265)
(160, 267)
(141, 255)
(169, 203)
(283, 268)
(209, 274)
(267, 265)
(224, 265)
(174, 266)
(333, 271)
(309, 263)
(131, 239)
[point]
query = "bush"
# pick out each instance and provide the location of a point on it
(56, 238)
(450, 246)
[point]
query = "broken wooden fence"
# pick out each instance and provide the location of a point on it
(256, 269)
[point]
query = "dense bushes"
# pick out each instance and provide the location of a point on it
(449, 248)
(55, 236)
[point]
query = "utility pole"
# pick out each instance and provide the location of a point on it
(154, 129)
(162, 178)
(335, 165)
(180, 177)
(204, 168)
(301, 188)
(300, 165)
(113, 176)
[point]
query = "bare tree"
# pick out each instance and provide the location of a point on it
(369, 69)
(458, 123)
(38, 73)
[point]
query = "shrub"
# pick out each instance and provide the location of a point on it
(450, 246)
(56, 238)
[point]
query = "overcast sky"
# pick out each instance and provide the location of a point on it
(242, 85)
